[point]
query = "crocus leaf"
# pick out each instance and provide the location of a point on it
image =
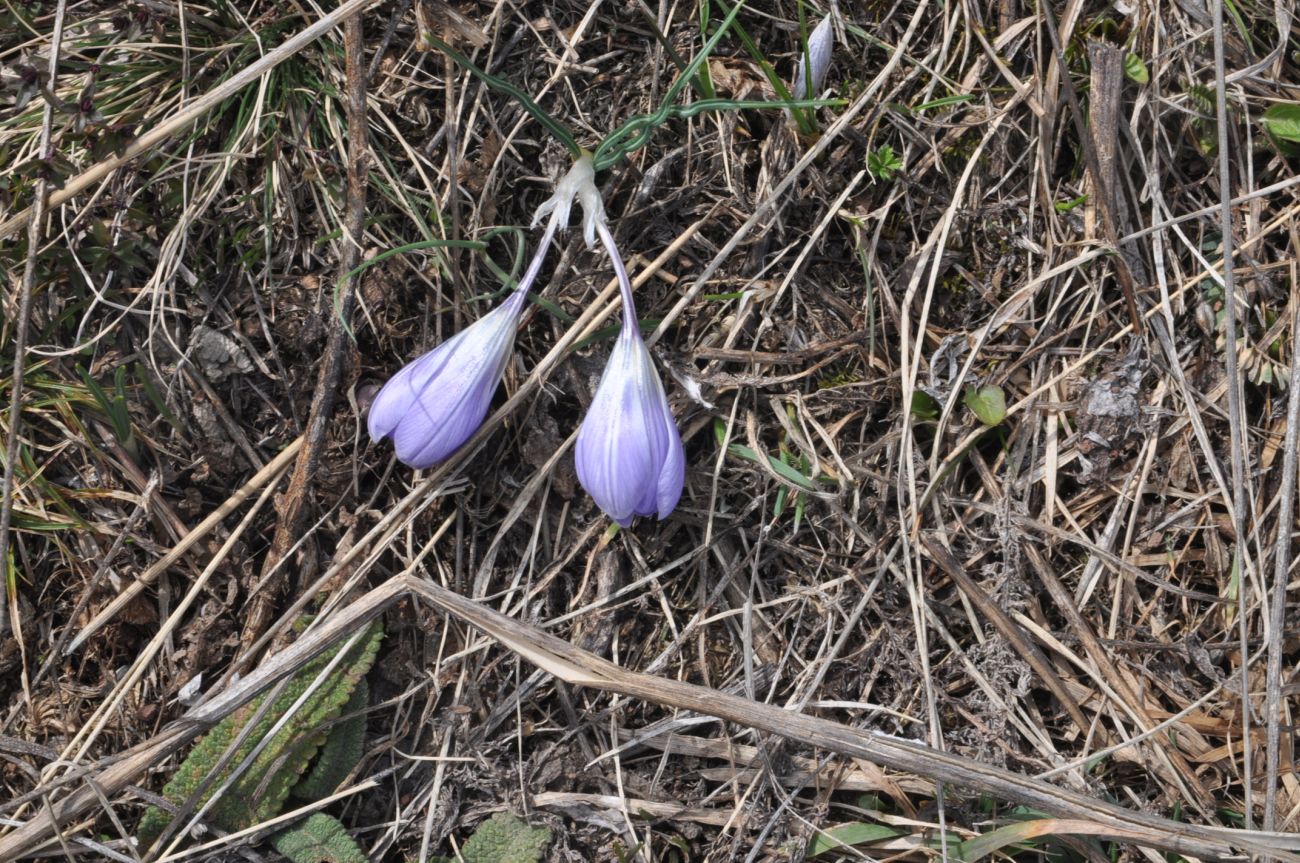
(845, 835)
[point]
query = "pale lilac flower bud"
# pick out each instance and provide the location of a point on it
(629, 454)
(821, 42)
(579, 183)
(435, 403)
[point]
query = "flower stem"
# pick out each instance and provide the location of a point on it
(535, 265)
(620, 272)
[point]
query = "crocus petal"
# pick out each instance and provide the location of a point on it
(434, 404)
(821, 42)
(672, 476)
(403, 389)
(622, 442)
(629, 454)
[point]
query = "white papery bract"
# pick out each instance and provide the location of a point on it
(821, 42)
(436, 402)
(580, 183)
(629, 454)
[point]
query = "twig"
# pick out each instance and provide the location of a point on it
(1281, 572)
(34, 232)
(293, 508)
(1122, 273)
(1236, 441)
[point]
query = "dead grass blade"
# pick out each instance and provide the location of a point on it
(273, 469)
(293, 506)
(9, 605)
(580, 668)
(200, 106)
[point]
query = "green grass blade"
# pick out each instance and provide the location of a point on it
(525, 101)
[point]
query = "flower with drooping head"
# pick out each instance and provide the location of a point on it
(818, 58)
(435, 403)
(629, 454)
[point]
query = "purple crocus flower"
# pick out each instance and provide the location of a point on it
(433, 404)
(629, 454)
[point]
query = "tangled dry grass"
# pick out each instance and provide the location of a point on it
(979, 455)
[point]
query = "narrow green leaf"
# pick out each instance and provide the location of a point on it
(1027, 834)
(982, 846)
(779, 507)
(383, 256)
(944, 102)
(786, 472)
(647, 325)
(846, 835)
(525, 101)
(1072, 204)
(752, 49)
(801, 499)
(719, 431)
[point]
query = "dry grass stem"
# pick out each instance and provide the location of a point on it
(985, 373)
